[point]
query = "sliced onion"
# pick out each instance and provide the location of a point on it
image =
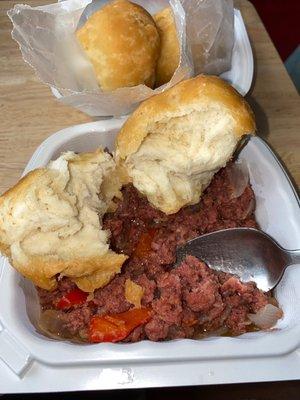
(250, 209)
(266, 317)
(51, 324)
(239, 178)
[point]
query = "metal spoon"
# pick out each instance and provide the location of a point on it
(250, 254)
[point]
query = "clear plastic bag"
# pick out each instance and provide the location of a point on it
(46, 38)
(210, 34)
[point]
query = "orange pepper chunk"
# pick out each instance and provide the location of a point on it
(116, 327)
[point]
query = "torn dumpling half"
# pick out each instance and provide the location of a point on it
(174, 143)
(51, 221)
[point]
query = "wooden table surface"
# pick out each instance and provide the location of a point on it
(29, 112)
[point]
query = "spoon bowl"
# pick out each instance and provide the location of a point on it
(249, 253)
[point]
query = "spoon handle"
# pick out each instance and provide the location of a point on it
(293, 256)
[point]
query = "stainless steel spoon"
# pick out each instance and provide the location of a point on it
(250, 254)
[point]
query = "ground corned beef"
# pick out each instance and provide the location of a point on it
(187, 301)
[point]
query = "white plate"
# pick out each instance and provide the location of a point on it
(241, 73)
(27, 354)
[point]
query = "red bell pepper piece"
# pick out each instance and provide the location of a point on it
(116, 327)
(74, 297)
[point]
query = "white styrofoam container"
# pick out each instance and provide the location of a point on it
(27, 353)
(241, 73)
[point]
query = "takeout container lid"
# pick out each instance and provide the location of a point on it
(277, 213)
